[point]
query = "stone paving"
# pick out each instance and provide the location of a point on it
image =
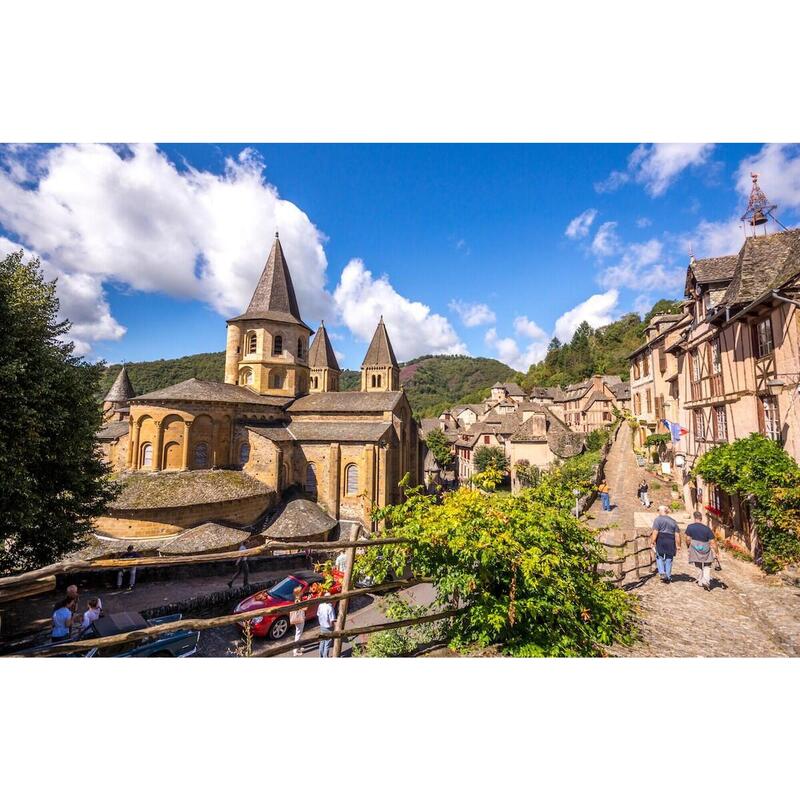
(747, 613)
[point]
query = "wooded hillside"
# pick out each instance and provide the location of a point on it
(434, 383)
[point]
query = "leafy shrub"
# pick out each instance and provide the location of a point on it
(487, 456)
(597, 438)
(759, 470)
(522, 567)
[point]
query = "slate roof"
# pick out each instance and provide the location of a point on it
(380, 352)
(111, 431)
(764, 262)
(562, 441)
(339, 431)
(205, 538)
(524, 432)
(346, 402)
(429, 424)
(514, 389)
(299, 519)
(321, 354)
(211, 391)
(622, 391)
(275, 433)
(713, 270)
(274, 297)
(122, 388)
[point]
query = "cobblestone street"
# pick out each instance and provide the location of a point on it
(747, 613)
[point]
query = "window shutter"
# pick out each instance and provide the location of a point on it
(762, 424)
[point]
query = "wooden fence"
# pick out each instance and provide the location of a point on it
(340, 632)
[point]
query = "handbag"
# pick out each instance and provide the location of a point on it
(297, 617)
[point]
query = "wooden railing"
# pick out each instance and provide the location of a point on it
(339, 633)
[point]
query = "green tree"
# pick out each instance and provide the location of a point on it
(437, 443)
(521, 568)
(53, 481)
(490, 456)
(766, 477)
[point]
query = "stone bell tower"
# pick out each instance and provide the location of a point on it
(267, 346)
(380, 371)
(322, 363)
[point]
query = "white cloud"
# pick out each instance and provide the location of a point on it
(612, 182)
(606, 242)
(128, 215)
(643, 222)
(641, 268)
(472, 314)
(642, 304)
(778, 169)
(463, 247)
(509, 352)
(722, 238)
(361, 299)
(580, 225)
(598, 310)
(82, 302)
(656, 166)
(526, 327)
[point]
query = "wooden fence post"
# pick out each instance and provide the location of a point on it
(341, 615)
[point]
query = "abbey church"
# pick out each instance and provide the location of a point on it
(279, 415)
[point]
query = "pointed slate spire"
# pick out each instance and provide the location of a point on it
(274, 296)
(320, 354)
(122, 389)
(380, 353)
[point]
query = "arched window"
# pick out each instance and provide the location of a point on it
(299, 348)
(147, 455)
(379, 381)
(351, 479)
(315, 382)
(277, 345)
(374, 384)
(201, 455)
(244, 453)
(246, 377)
(252, 343)
(311, 480)
(277, 380)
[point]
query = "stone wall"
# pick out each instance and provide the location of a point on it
(159, 522)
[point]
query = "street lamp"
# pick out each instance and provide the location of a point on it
(576, 493)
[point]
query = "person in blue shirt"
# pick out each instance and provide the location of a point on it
(62, 621)
(703, 548)
(665, 538)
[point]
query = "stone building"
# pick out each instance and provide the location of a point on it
(730, 365)
(589, 405)
(278, 415)
(654, 376)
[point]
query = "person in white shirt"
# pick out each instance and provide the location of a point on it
(91, 614)
(326, 616)
(341, 561)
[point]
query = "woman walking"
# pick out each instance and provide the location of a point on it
(702, 548)
(642, 492)
(298, 619)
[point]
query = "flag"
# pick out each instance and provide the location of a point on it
(675, 429)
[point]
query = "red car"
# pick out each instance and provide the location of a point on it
(274, 624)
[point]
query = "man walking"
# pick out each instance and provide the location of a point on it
(665, 538)
(242, 567)
(326, 616)
(129, 553)
(602, 490)
(702, 546)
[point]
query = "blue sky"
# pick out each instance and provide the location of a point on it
(486, 249)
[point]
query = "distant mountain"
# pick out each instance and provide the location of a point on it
(432, 382)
